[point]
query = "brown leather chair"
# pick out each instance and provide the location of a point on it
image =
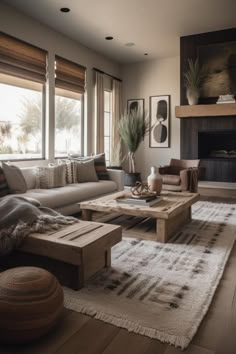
(180, 175)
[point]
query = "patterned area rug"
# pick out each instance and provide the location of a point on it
(159, 290)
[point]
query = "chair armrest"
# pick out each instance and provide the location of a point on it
(118, 177)
(184, 179)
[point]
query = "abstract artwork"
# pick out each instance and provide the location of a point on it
(136, 105)
(159, 121)
(219, 65)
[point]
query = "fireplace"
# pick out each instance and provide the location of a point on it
(213, 141)
(217, 144)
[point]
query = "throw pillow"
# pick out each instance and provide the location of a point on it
(70, 170)
(4, 189)
(15, 178)
(51, 176)
(100, 166)
(86, 171)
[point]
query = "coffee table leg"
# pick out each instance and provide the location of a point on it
(86, 214)
(165, 228)
(108, 258)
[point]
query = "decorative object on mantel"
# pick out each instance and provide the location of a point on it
(152, 288)
(193, 78)
(132, 128)
(160, 121)
(155, 181)
(226, 99)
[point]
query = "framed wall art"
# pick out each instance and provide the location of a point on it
(159, 121)
(136, 105)
(219, 65)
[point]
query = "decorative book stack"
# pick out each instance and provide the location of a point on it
(226, 99)
(143, 201)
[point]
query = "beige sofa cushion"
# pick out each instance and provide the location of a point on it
(29, 174)
(71, 193)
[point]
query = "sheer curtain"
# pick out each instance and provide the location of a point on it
(116, 113)
(99, 112)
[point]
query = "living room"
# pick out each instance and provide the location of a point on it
(148, 67)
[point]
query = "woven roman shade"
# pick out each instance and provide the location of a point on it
(20, 59)
(69, 76)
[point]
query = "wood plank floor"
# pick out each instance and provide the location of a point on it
(80, 334)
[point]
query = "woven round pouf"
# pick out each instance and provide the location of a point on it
(31, 302)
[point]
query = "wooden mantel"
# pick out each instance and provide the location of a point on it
(203, 110)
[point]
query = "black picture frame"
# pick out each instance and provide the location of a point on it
(137, 104)
(159, 120)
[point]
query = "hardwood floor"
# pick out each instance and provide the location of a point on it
(80, 334)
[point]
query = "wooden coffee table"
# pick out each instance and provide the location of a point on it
(171, 213)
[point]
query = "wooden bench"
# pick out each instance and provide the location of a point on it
(72, 254)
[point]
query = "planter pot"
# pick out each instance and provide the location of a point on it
(132, 178)
(192, 96)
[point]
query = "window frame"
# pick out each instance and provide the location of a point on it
(110, 124)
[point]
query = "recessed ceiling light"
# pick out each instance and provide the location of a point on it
(65, 9)
(145, 53)
(109, 38)
(131, 44)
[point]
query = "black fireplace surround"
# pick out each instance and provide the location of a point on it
(213, 141)
(217, 144)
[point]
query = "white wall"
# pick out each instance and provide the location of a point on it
(25, 28)
(151, 78)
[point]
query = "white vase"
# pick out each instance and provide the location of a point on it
(192, 96)
(154, 180)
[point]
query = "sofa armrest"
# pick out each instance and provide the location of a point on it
(118, 177)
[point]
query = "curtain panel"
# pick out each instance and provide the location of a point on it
(99, 112)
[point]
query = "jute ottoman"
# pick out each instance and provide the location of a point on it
(31, 302)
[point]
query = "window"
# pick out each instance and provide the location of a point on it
(21, 124)
(70, 82)
(107, 125)
(68, 123)
(22, 99)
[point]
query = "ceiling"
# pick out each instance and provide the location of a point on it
(153, 25)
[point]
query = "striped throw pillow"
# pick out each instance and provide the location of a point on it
(4, 189)
(100, 167)
(71, 176)
(51, 176)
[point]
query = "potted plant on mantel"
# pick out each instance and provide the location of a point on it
(193, 78)
(132, 128)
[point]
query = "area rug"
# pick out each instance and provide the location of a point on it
(160, 290)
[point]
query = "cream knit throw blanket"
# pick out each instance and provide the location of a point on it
(20, 216)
